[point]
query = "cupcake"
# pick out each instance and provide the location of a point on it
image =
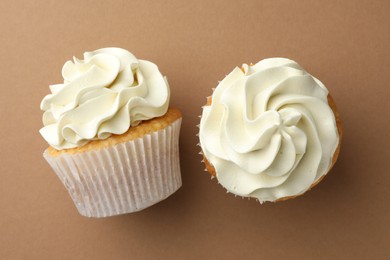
(113, 140)
(270, 131)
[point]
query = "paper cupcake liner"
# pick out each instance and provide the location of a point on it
(124, 178)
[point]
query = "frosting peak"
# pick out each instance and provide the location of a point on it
(269, 132)
(106, 93)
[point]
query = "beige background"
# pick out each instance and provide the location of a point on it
(195, 44)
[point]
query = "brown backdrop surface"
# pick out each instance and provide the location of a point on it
(346, 45)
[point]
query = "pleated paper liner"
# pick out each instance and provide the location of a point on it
(122, 178)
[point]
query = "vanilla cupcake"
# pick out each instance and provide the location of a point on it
(113, 138)
(270, 131)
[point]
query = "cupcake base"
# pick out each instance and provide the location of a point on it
(122, 178)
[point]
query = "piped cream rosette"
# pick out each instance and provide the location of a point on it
(268, 131)
(106, 93)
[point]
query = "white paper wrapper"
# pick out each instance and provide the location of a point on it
(124, 178)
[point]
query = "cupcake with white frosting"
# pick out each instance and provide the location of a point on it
(113, 138)
(270, 131)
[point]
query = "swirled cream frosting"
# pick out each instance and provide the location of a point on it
(104, 94)
(269, 132)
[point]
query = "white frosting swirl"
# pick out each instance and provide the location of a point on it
(269, 132)
(106, 93)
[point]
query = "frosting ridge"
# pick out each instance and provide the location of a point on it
(106, 93)
(269, 131)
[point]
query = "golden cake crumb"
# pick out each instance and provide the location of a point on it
(144, 128)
